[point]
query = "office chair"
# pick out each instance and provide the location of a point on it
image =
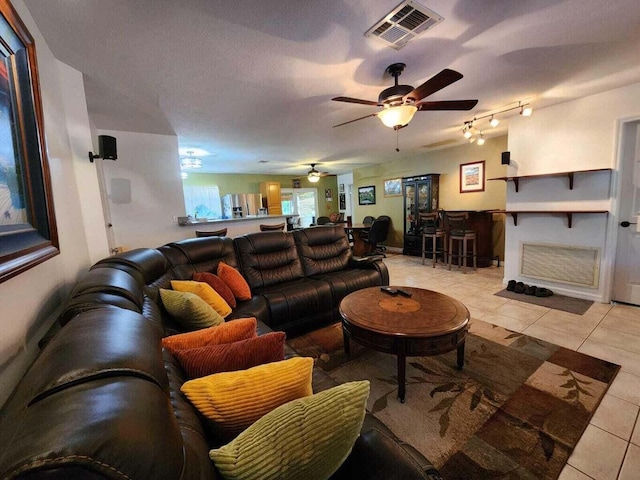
(377, 234)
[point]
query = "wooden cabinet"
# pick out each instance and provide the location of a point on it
(271, 199)
(421, 195)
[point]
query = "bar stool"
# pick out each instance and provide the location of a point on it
(458, 231)
(430, 224)
(272, 228)
(211, 233)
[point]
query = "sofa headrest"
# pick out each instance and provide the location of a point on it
(110, 281)
(200, 254)
(144, 264)
(267, 258)
(103, 342)
(322, 249)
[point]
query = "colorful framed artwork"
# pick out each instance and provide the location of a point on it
(28, 233)
(472, 177)
(367, 195)
(393, 187)
(328, 195)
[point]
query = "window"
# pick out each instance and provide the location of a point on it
(202, 202)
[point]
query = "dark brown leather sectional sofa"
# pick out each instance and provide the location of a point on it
(103, 398)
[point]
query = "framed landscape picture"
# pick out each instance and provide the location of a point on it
(472, 177)
(393, 187)
(367, 195)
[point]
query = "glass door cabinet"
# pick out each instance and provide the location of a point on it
(420, 196)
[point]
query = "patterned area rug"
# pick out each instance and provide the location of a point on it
(516, 411)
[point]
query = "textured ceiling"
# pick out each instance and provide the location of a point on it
(249, 81)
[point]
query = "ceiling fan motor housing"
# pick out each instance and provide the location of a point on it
(393, 95)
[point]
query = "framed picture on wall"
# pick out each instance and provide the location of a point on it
(341, 188)
(472, 177)
(367, 195)
(328, 195)
(393, 187)
(342, 198)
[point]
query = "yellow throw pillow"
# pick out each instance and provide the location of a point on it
(205, 292)
(231, 401)
(189, 310)
(308, 438)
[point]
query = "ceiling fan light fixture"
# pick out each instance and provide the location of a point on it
(313, 175)
(399, 116)
(190, 161)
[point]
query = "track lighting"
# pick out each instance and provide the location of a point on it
(469, 130)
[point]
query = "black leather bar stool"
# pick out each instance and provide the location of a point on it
(211, 233)
(430, 223)
(278, 227)
(458, 231)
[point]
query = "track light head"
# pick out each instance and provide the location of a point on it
(481, 139)
(494, 122)
(526, 110)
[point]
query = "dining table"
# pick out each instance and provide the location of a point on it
(360, 246)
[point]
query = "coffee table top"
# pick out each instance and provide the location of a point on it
(425, 314)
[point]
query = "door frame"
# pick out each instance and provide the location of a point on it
(614, 216)
(302, 190)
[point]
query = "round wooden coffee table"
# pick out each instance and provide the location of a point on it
(427, 323)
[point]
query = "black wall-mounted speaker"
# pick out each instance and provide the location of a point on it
(506, 158)
(107, 145)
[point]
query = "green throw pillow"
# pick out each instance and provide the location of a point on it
(306, 438)
(189, 310)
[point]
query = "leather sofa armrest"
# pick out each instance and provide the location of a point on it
(371, 263)
(379, 455)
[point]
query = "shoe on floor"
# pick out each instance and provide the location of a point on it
(511, 285)
(543, 292)
(520, 287)
(532, 290)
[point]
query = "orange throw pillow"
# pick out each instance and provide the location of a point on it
(228, 332)
(228, 357)
(218, 285)
(235, 281)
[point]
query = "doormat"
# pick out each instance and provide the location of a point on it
(555, 301)
(516, 410)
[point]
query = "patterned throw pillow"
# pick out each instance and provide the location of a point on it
(231, 401)
(306, 438)
(235, 281)
(189, 310)
(199, 362)
(205, 292)
(228, 332)
(218, 285)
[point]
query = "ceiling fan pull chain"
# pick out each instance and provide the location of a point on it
(397, 147)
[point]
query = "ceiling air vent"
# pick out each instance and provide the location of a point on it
(404, 23)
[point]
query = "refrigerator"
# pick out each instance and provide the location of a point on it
(240, 205)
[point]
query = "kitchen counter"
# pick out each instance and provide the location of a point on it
(237, 226)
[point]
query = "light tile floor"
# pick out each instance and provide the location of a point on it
(610, 446)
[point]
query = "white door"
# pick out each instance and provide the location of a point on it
(626, 280)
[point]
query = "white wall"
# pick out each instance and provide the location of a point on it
(148, 171)
(577, 135)
(346, 179)
(29, 301)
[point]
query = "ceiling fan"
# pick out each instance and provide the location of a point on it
(401, 102)
(314, 175)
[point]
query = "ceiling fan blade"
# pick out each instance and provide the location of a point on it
(437, 82)
(355, 120)
(447, 105)
(356, 100)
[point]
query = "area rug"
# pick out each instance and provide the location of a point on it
(516, 411)
(555, 301)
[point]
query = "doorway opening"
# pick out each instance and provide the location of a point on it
(302, 202)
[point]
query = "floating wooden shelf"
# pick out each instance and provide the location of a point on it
(568, 213)
(516, 180)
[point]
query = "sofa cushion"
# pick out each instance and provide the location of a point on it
(205, 292)
(218, 285)
(235, 281)
(344, 282)
(228, 332)
(110, 281)
(198, 255)
(231, 401)
(322, 250)
(228, 357)
(189, 310)
(144, 264)
(308, 438)
(268, 258)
